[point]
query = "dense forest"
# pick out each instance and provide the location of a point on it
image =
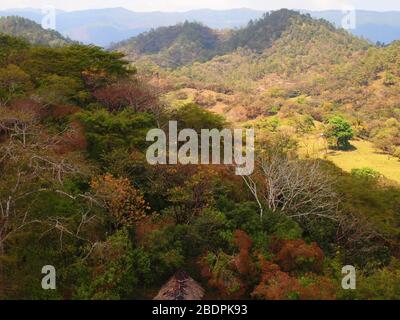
(77, 192)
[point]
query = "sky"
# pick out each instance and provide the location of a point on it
(184, 5)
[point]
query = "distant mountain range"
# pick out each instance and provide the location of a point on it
(105, 26)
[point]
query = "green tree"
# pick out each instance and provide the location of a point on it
(106, 131)
(62, 90)
(339, 131)
(13, 81)
(11, 49)
(193, 116)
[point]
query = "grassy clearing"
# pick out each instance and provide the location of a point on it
(179, 98)
(363, 155)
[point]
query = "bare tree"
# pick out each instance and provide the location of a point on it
(298, 189)
(29, 167)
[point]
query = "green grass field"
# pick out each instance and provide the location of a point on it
(363, 155)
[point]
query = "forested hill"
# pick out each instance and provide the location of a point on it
(174, 46)
(307, 48)
(31, 31)
(260, 34)
(186, 43)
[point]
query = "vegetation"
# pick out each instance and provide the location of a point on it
(340, 131)
(191, 42)
(31, 31)
(174, 46)
(77, 192)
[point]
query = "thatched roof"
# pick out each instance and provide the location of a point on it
(180, 287)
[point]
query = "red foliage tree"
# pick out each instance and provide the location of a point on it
(230, 274)
(243, 260)
(297, 255)
(276, 284)
(134, 94)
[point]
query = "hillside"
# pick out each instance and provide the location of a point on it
(186, 43)
(31, 31)
(309, 74)
(261, 33)
(301, 47)
(286, 65)
(174, 46)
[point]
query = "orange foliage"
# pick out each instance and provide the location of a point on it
(278, 285)
(228, 274)
(231, 275)
(275, 284)
(298, 255)
(243, 261)
(221, 275)
(123, 201)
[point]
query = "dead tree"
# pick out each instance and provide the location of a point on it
(298, 189)
(26, 161)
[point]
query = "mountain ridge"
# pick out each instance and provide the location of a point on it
(83, 25)
(166, 45)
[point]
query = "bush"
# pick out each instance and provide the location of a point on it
(366, 173)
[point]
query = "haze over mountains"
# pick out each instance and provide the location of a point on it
(105, 26)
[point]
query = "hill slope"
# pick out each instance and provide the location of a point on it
(189, 42)
(174, 46)
(31, 31)
(302, 46)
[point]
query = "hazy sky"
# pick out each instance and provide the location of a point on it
(181, 5)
